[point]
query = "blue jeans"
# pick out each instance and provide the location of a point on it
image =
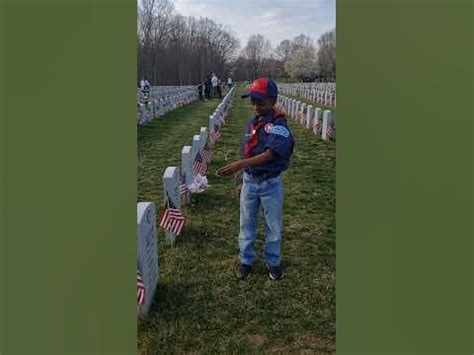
(269, 195)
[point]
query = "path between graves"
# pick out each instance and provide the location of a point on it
(200, 305)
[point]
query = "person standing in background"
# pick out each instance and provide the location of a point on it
(219, 88)
(207, 87)
(144, 89)
(215, 83)
(199, 88)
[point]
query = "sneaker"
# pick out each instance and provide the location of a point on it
(274, 272)
(244, 271)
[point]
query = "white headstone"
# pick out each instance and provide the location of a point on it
(310, 117)
(196, 147)
(186, 168)
(147, 252)
(327, 131)
(203, 137)
(171, 191)
(303, 114)
(318, 122)
(297, 111)
(212, 122)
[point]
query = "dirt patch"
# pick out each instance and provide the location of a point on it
(256, 340)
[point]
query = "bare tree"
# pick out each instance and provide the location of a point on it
(154, 17)
(301, 41)
(327, 55)
(177, 50)
(257, 48)
(284, 50)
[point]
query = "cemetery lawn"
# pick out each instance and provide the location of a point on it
(200, 305)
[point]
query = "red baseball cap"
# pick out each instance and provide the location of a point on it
(261, 88)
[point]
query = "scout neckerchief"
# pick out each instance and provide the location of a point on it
(252, 142)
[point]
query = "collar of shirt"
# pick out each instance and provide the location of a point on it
(267, 117)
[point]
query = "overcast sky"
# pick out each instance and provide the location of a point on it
(275, 19)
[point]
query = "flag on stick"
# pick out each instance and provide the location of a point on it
(206, 154)
(329, 132)
(172, 219)
(215, 134)
(199, 166)
(140, 289)
(183, 188)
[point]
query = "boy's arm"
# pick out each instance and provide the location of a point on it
(260, 159)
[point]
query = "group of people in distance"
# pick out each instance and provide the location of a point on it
(213, 87)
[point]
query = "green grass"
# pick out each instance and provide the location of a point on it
(200, 306)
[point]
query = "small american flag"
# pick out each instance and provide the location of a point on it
(329, 132)
(215, 134)
(140, 289)
(199, 166)
(172, 219)
(183, 188)
(206, 154)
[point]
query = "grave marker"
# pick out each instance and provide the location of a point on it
(203, 138)
(302, 115)
(310, 117)
(318, 122)
(147, 252)
(186, 169)
(327, 131)
(171, 191)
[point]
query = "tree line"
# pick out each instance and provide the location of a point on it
(177, 50)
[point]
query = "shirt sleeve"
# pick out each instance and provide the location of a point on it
(280, 140)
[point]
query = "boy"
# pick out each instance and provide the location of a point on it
(267, 148)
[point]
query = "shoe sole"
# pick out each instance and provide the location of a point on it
(244, 277)
(270, 274)
(275, 279)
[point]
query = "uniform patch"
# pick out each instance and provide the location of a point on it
(268, 127)
(281, 130)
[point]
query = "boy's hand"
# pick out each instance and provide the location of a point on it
(230, 169)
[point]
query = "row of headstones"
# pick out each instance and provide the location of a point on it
(153, 108)
(147, 250)
(190, 152)
(320, 122)
(321, 93)
(158, 92)
(312, 86)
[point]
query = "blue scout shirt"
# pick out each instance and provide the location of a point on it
(274, 135)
